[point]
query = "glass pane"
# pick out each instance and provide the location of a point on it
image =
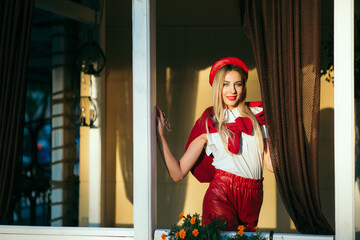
(48, 190)
(36, 194)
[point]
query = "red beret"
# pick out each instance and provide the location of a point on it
(223, 62)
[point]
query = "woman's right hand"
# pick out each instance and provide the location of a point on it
(177, 170)
(159, 122)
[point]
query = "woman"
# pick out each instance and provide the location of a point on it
(233, 136)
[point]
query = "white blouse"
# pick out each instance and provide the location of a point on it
(248, 163)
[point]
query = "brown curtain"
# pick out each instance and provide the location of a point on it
(285, 37)
(15, 19)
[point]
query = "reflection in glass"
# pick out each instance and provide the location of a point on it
(31, 196)
(34, 196)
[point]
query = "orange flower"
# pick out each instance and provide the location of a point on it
(241, 228)
(257, 228)
(241, 233)
(195, 232)
(177, 235)
(181, 215)
(182, 234)
(193, 220)
(163, 236)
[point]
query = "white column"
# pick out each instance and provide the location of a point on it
(344, 119)
(144, 100)
(95, 144)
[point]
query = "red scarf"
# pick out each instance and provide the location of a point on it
(241, 124)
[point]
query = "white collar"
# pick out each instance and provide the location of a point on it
(231, 115)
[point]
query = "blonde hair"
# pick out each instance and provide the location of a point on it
(219, 106)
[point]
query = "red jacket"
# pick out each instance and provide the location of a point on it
(203, 170)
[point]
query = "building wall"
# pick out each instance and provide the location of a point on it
(191, 36)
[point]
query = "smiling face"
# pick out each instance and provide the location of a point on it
(232, 90)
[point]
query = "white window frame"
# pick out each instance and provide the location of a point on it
(344, 135)
(144, 117)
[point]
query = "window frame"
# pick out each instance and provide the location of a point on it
(145, 180)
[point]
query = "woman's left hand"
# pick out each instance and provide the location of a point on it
(267, 157)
